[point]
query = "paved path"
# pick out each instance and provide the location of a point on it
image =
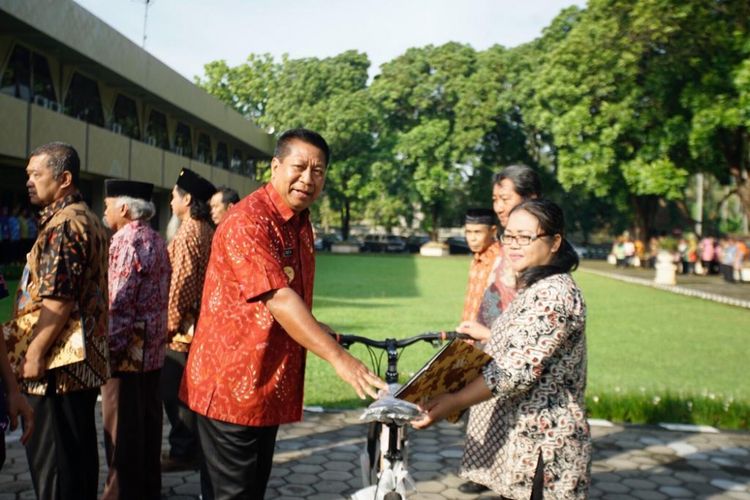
(710, 287)
(318, 459)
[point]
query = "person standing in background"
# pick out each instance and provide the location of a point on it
(139, 274)
(188, 255)
(221, 201)
(481, 236)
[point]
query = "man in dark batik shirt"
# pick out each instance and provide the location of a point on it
(65, 280)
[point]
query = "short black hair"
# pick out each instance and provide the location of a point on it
(304, 135)
(228, 195)
(61, 157)
(525, 180)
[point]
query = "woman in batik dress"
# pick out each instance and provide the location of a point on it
(528, 436)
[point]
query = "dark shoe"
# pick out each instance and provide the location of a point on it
(472, 487)
(174, 464)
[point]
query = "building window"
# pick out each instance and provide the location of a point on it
(250, 169)
(41, 80)
(125, 117)
(17, 76)
(183, 145)
(27, 77)
(236, 164)
(83, 101)
(203, 149)
(222, 156)
(156, 130)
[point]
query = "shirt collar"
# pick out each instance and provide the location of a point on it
(47, 212)
(488, 253)
(282, 208)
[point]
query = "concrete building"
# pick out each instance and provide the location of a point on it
(67, 76)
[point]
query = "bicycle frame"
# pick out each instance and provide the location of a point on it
(385, 475)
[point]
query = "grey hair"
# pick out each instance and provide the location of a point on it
(60, 157)
(138, 209)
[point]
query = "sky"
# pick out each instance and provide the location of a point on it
(186, 34)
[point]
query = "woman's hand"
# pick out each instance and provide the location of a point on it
(476, 330)
(436, 410)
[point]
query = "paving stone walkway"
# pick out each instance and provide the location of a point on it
(318, 459)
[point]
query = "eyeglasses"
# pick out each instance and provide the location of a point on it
(522, 240)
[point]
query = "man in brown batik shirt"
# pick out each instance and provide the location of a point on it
(65, 280)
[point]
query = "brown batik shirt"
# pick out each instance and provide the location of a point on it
(69, 262)
(188, 255)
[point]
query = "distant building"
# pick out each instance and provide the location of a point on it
(67, 76)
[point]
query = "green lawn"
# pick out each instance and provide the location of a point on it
(644, 345)
(649, 351)
(638, 338)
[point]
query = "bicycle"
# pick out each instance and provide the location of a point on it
(385, 474)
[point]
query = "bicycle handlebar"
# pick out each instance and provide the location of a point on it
(347, 340)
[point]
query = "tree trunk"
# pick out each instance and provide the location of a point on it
(345, 216)
(738, 157)
(645, 212)
(435, 215)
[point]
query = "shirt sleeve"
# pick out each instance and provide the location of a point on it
(534, 335)
(61, 264)
(253, 252)
(124, 282)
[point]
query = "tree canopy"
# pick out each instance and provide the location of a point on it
(617, 105)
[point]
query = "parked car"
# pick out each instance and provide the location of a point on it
(325, 241)
(414, 243)
(598, 252)
(383, 243)
(457, 245)
(581, 250)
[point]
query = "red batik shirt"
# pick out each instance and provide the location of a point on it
(243, 368)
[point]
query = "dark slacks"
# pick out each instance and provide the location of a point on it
(62, 452)
(183, 437)
(132, 420)
(238, 458)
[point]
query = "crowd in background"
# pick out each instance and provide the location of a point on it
(18, 230)
(726, 255)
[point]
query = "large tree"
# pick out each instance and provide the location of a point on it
(623, 93)
(417, 94)
(328, 95)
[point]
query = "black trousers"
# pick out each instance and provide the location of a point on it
(62, 452)
(132, 418)
(183, 437)
(238, 458)
(727, 272)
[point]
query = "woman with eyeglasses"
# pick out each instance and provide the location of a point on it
(528, 436)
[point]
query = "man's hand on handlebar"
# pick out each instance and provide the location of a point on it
(476, 330)
(355, 373)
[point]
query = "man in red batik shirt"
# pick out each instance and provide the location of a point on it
(245, 372)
